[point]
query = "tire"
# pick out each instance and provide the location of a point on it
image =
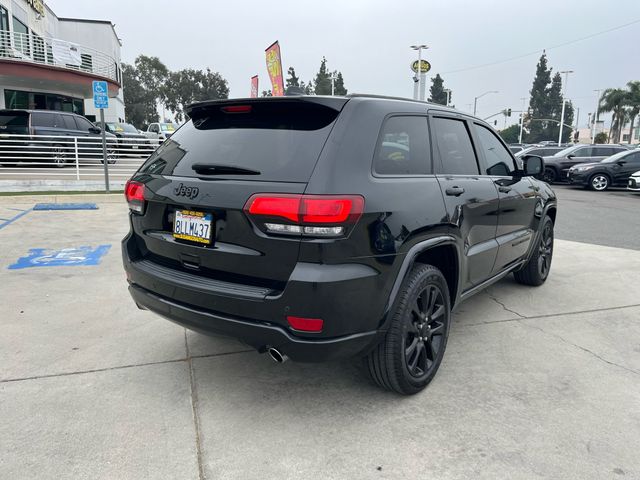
(599, 182)
(59, 156)
(550, 175)
(536, 270)
(408, 357)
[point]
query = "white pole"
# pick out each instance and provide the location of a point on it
(522, 120)
(566, 79)
(419, 73)
(595, 117)
(75, 149)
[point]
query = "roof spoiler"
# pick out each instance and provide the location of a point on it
(334, 103)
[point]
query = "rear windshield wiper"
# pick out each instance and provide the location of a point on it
(212, 169)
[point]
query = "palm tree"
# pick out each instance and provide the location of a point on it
(633, 101)
(614, 100)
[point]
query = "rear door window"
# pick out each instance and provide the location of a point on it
(452, 139)
(44, 119)
(281, 141)
(403, 147)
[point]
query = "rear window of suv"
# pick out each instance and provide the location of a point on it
(280, 140)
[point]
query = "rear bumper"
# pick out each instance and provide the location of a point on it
(258, 335)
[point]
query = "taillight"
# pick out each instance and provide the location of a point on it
(134, 192)
(236, 109)
(309, 215)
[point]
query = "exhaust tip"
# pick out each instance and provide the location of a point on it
(276, 355)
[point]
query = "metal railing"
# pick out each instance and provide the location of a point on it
(59, 53)
(72, 158)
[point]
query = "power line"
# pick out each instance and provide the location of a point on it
(524, 55)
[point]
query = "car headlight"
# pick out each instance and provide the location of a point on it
(584, 169)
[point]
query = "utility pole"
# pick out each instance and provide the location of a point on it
(595, 117)
(475, 100)
(448, 92)
(576, 129)
(333, 80)
(419, 48)
(564, 101)
(522, 119)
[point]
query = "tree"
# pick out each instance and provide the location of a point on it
(187, 86)
(511, 134)
(139, 103)
(614, 100)
(600, 138)
(339, 84)
(322, 83)
(437, 93)
(539, 102)
(152, 74)
(633, 101)
(292, 80)
(545, 107)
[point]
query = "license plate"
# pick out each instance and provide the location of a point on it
(193, 226)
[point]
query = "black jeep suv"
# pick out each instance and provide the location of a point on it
(323, 227)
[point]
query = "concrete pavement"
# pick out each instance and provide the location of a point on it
(536, 382)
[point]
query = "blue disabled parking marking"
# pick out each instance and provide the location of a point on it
(65, 206)
(67, 257)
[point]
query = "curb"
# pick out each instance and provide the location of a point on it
(79, 198)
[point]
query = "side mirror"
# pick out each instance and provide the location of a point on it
(621, 162)
(533, 165)
(571, 155)
(95, 130)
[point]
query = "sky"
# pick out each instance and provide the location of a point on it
(369, 42)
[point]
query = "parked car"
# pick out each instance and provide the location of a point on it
(634, 182)
(539, 151)
(556, 167)
(613, 171)
(318, 228)
(128, 136)
(45, 133)
(516, 148)
(160, 131)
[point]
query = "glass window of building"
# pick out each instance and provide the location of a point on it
(21, 37)
(5, 39)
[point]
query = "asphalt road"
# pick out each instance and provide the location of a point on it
(608, 218)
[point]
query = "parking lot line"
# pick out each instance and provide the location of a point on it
(11, 220)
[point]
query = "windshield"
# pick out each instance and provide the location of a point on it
(616, 157)
(567, 151)
(121, 127)
(167, 127)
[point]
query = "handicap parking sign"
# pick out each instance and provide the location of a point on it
(67, 257)
(100, 94)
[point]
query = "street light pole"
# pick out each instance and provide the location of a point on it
(564, 101)
(595, 117)
(419, 48)
(522, 119)
(333, 79)
(448, 92)
(475, 100)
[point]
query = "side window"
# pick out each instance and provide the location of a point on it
(403, 147)
(453, 142)
(498, 160)
(154, 128)
(633, 159)
(68, 123)
(583, 152)
(83, 124)
(43, 120)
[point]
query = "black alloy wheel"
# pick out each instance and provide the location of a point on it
(426, 327)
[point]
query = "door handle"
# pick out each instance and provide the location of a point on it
(503, 189)
(454, 191)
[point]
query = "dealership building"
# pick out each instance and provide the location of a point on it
(48, 62)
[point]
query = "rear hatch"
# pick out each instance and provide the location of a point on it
(14, 122)
(211, 167)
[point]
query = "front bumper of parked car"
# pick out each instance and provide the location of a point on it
(579, 177)
(634, 184)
